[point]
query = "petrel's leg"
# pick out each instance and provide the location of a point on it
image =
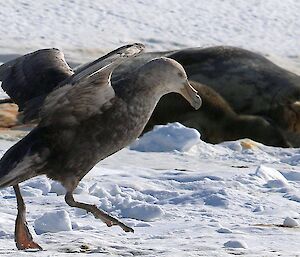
(99, 214)
(23, 238)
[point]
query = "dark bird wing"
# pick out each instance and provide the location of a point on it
(24, 159)
(33, 107)
(123, 51)
(84, 95)
(33, 75)
(86, 92)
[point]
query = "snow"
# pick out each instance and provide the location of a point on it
(224, 230)
(271, 177)
(40, 183)
(210, 200)
(259, 209)
(53, 222)
(290, 222)
(57, 188)
(128, 202)
(183, 197)
(87, 28)
(235, 244)
(166, 138)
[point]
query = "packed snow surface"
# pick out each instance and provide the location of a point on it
(189, 198)
(86, 28)
(209, 200)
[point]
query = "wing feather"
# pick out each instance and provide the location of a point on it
(33, 75)
(87, 91)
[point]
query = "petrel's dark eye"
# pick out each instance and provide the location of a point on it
(180, 75)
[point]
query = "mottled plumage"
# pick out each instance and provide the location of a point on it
(85, 119)
(33, 75)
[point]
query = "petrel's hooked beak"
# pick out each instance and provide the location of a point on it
(190, 94)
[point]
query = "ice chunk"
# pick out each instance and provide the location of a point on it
(290, 222)
(166, 138)
(224, 230)
(57, 188)
(259, 208)
(216, 200)
(28, 191)
(41, 183)
(142, 211)
(53, 222)
(235, 244)
(271, 177)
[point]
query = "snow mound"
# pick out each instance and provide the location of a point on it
(271, 177)
(41, 183)
(259, 209)
(216, 200)
(57, 187)
(275, 183)
(235, 244)
(53, 222)
(290, 222)
(142, 211)
(127, 203)
(167, 138)
(28, 191)
(224, 230)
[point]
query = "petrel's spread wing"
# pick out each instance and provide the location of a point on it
(33, 75)
(30, 78)
(123, 51)
(86, 92)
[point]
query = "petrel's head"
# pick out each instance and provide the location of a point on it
(170, 76)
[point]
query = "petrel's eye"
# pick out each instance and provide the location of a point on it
(180, 74)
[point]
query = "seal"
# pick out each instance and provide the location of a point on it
(250, 83)
(215, 120)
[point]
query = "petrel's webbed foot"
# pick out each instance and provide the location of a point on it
(23, 237)
(99, 214)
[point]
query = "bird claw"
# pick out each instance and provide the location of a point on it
(128, 229)
(29, 245)
(119, 223)
(23, 238)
